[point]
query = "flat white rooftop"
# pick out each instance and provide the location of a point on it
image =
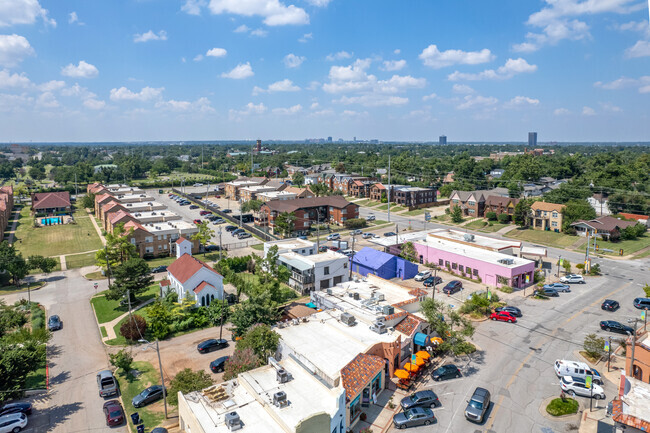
(171, 226)
(400, 238)
(260, 188)
(143, 206)
(290, 244)
(477, 240)
(325, 256)
(636, 401)
(133, 197)
(166, 214)
(277, 194)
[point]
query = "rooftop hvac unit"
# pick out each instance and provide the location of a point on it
(348, 319)
(468, 237)
(355, 295)
(282, 376)
(379, 321)
(379, 328)
(233, 422)
(329, 291)
(506, 261)
(388, 310)
(280, 399)
(380, 296)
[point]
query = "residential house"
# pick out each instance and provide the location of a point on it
(384, 265)
(414, 197)
(292, 169)
(6, 207)
(643, 219)
(378, 191)
(547, 216)
(496, 173)
(360, 188)
(601, 227)
(299, 192)
(449, 178)
(51, 203)
(499, 205)
(189, 276)
(471, 203)
(534, 190)
(312, 179)
(316, 271)
(121, 216)
(252, 192)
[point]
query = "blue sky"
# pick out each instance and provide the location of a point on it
(489, 70)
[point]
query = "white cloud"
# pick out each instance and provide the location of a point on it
(82, 70)
(634, 26)
(511, 68)
(642, 84)
(285, 85)
(94, 104)
(242, 29)
(275, 12)
(288, 111)
(477, 101)
(606, 106)
(588, 111)
(78, 91)
(239, 72)
(47, 100)
(322, 113)
(150, 36)
(314, 105)
(293, 61)
(319, 3)
(50, 86)
(341, 55)
(561, 112)
(197, 58)
(15, 12)
(260, 33)
(201, 105)
(73, 18)
(397, 51)
(249, 109)
(394, 65)
(373, 100)
(429, 97)
(13, 50)
(436, 59)
(193, 7)
(521, 101)
(352, 113)
(306, 38)
(552, 34)
(640, 49)
(216, 52)
(8, 79)
(463, 89)
(146, 94)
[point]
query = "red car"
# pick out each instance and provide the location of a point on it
(503, 316)
(113, 412)
(197, 221)
(205, 212)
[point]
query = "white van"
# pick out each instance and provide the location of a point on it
(576, 369)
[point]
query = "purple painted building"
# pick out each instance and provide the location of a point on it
(493, 268)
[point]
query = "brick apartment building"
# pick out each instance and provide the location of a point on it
(6, 207)
(158, 240)
(414, 197)
(500, 205)
(308, 211)
(471, 203)
(547, 216)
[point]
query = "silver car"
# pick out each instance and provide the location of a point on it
(578, 386)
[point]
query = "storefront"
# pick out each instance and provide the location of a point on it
(363, 380)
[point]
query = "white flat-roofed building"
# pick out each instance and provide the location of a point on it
(316, 271)
(124, 189)
(251, 192)
(306, 404)
(298, 246)
(172, 229)
(133, 198)
(276, 195)
(145, 206)
(156, 216)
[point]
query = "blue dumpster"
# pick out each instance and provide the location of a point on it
(135, 418)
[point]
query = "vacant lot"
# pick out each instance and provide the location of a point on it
(552, 239)
(56, 240)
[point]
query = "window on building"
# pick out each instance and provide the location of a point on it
(471, 211)
(475, 271)
(468, 270)
(439, 262)
(148, 239)
(461, 268)
(355, 408)
(148, 250)
(554, 214)
(345, 265)
(159, 247)
(454, 266)
(133, 241)
(554, 223)
(447, 263)
(326, 271)
(471, 203)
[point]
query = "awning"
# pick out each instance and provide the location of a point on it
(401, 374)
(310, 305)
(411, 368)
(422, 339)
(422, 354)
(419, 361)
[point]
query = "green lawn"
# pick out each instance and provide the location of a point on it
(80, 260)
(478, 224)
(494, 227)
(629, 247)
(393, 207)
(36, 379)
(288, 292)
(107, 310)
(258, 247)
(95, 276)
(553, 239)
(152, 415)
(379, 222)
(102, 329)
(5, 290)
(58, 239)
(366, 202)
(417, 212)
(558, 407)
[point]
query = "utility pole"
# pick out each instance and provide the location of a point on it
(162, 378)
(317, 230)
(633, 344)
(388, 194)
(609, 355)
(108, 266)
(352, 257)
(435, 277)
(251, 160)
(76, 187)
(221, 326)
(220, 246)
(559, 259)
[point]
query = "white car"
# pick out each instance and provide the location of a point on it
(577, 386)
(334, 237)
(572, 278)
(13, 422)
(422, 275)
(198, 184)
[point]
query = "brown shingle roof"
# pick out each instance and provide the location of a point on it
(300, 203)
(549, 207)
(496, 200)
(358, 373)
(606, 223)
(119, 215)
(418, 292)
(186, 266)
(45, 200)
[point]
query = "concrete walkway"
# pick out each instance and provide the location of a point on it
(506, 229)
(109, 326)
(12, 230)
(99, 231)
(464, 223)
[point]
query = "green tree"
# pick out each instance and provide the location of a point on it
(408, 252)
(340, 167)
(218, 310)
(269, 268)
(133, 276)
(454, 331)
(456, 215)
(16, 362)
(319, 189)
(257, 309)
(284, 223)
(242, 360)
(88, 201)
(262, 340)
(251, 205)
(160, 319)
(37, 173)
(134, 328)
(566, 264)
(298, 179)
(122, 359)
(521, 214)
(118, 248)
(13, 263)
(187, 381)
(594, 346)
(204, 234)
(44, 264)
(575, 210)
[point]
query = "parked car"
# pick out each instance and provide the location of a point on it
(244, 235)
(445, 372)
(425, 398)
(642, 303)
(211, 344)
(183, 203)
(231, 228)
(610, 305)
(375, 236)
(147, 396)
(197, 221)
(572, 278)
(302, 237)
(613, 326)
(322, 249)
(211, 248)
(452, 287)
(218, 221)
(558, 286)
(198, 184)
(113, 413)
(194, 206)
(159, 430)
(548, 292)
(158, 269)
(54, 323)
(503, 316)
(413, 417)
(13, 422)
(348, 253)
(205, 212)
(219, 364)
(478, 405)
(226, 210)
(237, 231)
(513, 311)
(389, 234)
(370, 218)
(423, 275)
(16, 407)
(106, 383)
(432, 281)
(356, 232)
(333, 237)
(576, 369)
(577, 386)
(366, 235)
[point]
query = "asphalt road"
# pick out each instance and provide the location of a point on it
(75, 355)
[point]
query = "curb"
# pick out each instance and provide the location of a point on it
(562, 418)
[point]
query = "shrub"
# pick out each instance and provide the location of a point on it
(614, 236)
(504, 218)
(187, 381)
(491, 216)
(562, 406)
(506, 289)
(538, 277)
(570, 230)
(241, 360)
(134, 328)
(122, 359)
(594, 346)
(646, 289)
(595, 269)
(355, 223)
(38, 317)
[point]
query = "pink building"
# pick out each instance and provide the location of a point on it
(476, 262)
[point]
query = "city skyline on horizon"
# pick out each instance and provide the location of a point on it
(187, 70)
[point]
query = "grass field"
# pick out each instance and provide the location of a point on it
(393, 207)
(36, 379)
(80, 260)
(153, 414)
(416, 212)
(22, 288)
(495, 227)
(58, 239)
(367, 203)
(628, 247)
(107, 310)
(478, 224)
(258, 247)
(553, 239)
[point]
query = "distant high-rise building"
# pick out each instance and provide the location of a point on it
(532, 139)
(258, 147)
(442, 139)
(329, 139)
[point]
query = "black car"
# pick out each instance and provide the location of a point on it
(54, 323)
(426, 398)
(237, 231)
(149, 395)
(388, 234)
(613, 326)
(508, 309)
(429, 282)
(210, 345)
(452, 287)
(231, 228)
(219, 364)
(184, 203)
(17, 407)
(194, 206)
(227, 211)
(212, 248)
(446, 372)
(158, 269)
(610, 305)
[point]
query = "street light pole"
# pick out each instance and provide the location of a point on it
(162, 377)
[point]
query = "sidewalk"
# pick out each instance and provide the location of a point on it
(99, 231)
(109, 326)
